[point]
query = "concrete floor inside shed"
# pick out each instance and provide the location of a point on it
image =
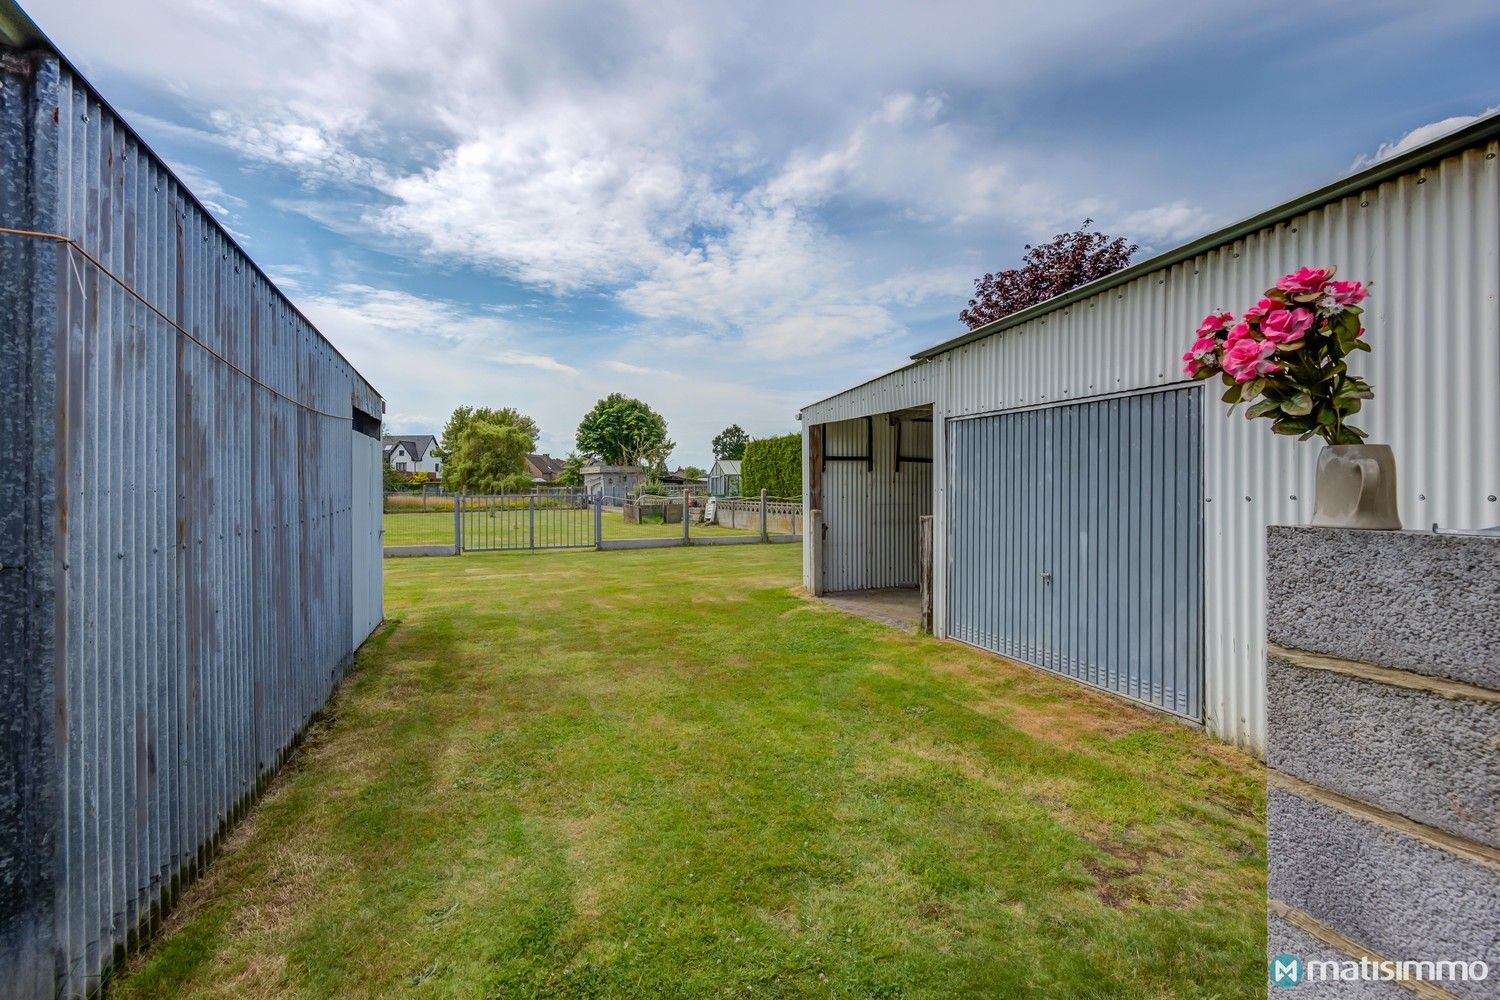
(898, 607)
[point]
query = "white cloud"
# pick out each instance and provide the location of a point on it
(1418, 136)
(627, 368)
(772, 190)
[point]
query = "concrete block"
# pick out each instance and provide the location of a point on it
(1430, 757)
(1398, 894)
(404, 551)
(1406, 599)
(1283, 938)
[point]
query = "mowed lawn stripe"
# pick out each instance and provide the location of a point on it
(665, 773)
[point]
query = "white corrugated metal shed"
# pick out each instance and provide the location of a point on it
(1423, 229)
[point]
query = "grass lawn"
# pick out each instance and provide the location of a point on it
(661, 773)
(511, 528)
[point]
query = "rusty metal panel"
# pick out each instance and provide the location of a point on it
(213, 540)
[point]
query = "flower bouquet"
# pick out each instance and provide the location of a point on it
(1286, 356)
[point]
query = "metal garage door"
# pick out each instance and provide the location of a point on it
(1076, 542)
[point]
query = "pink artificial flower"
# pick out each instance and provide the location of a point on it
(1347, 293)
(1213, 323)
(1286, 326)
(1239, 332)
(1248, 358)
(1259, 310)
(1205, 351)
(1305, 281)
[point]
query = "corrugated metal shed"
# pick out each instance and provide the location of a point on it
(1425, 229)
(199, 602)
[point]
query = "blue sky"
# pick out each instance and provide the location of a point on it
(730, 210)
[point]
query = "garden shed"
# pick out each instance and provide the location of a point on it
(724, 478)
(1097, 514)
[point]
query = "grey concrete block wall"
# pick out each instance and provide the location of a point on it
(1396, 894)
(1405, 599)
(1383, 739)
(1425, 754)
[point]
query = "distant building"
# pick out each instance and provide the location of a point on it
(682, 480)
(543, 469)
(412, 453)
(724, 478)
(614, 481)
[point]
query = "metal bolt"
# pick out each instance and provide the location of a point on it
(1294, 496)
(1364, 204)
(1421, 496)
(1421, 180)
(1491, 498)
(1247, 499)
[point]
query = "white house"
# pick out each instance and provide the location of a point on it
(413, 453)
(724, 478)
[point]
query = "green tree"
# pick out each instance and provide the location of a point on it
(774, 465)
(463, 415)
(624, 431)
(572, 470)
(693, 472)
(730, 443)
(393, 481)
(485, 449)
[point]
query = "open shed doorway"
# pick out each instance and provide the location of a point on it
(872, 479)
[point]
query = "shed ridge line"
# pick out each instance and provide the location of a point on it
(73, 244)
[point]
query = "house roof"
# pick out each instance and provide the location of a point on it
(417, 445)
(544, 467)
(727, 467)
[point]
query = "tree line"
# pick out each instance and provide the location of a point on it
(483, 448)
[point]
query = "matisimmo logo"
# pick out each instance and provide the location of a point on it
(1289, 970)
(1286, 970)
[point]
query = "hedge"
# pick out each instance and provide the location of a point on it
(774, 465)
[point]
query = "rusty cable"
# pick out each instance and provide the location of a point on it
(72, 243)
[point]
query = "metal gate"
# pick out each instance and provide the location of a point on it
(526, 521)
(1076, 542)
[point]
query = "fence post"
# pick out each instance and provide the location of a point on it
(815, 551)
(531, 520)
(765, 534)
(686, 509)
(458, 523)
(599, 520)
(924, 570)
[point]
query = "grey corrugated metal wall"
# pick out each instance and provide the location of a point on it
(204, 474)
(1427, 237)
(871, 508)
(1076, 542)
